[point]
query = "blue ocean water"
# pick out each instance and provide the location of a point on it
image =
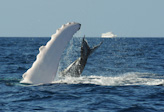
(123, 75)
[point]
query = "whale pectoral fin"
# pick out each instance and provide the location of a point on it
(95, 47)
(24, 75)
(41, 48)
(44, 68)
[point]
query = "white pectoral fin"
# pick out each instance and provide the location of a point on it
(45, 67)
(41, 48)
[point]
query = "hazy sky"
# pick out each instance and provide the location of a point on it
(41, 18)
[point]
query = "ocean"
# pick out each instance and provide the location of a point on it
(122, 75)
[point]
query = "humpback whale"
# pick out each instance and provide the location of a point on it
(44, 69)
(76, 68)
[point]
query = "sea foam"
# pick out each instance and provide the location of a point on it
(126, 79)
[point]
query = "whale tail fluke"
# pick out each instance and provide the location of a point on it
(86, 50)
(95, 47)
(76, 68)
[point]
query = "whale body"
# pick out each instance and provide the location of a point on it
(44, 69)
(76, 68)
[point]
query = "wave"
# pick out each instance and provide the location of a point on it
(9, 81)
(126, 79)
(130, 78)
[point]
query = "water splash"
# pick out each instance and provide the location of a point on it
(131, 78)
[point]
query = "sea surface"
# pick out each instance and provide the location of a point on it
(122, 75)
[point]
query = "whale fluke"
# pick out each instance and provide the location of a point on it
(76, 68)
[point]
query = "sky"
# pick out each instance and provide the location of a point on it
(41, 18)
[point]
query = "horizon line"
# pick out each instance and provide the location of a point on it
(79, 37)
